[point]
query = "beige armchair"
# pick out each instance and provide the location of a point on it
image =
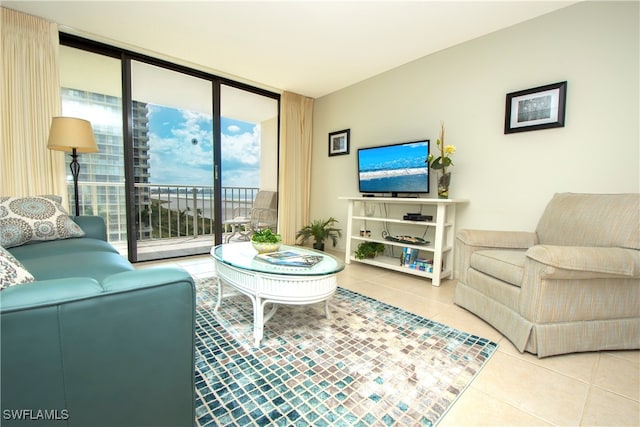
(572, 285)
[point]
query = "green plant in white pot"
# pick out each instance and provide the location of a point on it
(265, 241)
(320, 230)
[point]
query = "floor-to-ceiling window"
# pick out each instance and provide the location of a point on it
(179, 148)
(92, 90)
(249, 148)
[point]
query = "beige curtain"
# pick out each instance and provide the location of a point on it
(30, 97)
(296, 125)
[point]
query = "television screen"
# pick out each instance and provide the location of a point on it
(396, 168)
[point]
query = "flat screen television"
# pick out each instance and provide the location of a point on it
(394, 168)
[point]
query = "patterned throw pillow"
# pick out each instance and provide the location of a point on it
(12, 272)
(26, 219)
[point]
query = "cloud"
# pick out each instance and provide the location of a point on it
(100, 116)
(242, 178)
(242, 149)
(177, 161)
(174, 159)
(241, 159)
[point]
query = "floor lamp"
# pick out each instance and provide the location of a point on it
(74, 135)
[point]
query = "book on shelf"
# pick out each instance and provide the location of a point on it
(408, 256)
(290, 258)
(422, 265)
(409, 259)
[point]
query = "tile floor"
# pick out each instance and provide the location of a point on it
(586, 389)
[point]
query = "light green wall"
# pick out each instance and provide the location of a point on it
(508, 179)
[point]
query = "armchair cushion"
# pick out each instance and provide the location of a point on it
(471, 241)
(505, 264)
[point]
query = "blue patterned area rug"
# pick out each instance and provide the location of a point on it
(370, 364)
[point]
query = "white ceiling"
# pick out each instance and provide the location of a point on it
(308, 47)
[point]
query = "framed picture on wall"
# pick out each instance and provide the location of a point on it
(339, 142)
(538, 108)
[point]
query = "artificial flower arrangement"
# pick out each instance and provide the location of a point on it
(444, 160)
(441, 163)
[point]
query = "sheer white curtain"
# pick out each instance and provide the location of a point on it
(30, 97)
(296, 125)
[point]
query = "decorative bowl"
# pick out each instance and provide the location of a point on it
(263, 247)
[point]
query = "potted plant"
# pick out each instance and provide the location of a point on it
(320, 230)
(369, 250)
(265, 241)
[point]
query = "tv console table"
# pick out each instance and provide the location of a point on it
(369, 217)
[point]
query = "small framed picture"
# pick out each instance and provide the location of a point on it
(339, 142)
(538, 108)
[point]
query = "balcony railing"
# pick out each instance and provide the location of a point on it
(162, 211)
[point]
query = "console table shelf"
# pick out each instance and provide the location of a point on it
(369, 217)
(391, 263)
(398, 221)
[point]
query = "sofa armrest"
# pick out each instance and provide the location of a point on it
(44, 293)
(120, 353)
(53, 292)
(565, 284)
(93, 226)
(147, 277)
(596, 262)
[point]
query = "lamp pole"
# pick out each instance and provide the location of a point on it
(75, 171)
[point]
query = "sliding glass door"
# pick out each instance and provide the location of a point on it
(173, 162)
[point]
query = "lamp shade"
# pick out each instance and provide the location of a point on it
(68, 133)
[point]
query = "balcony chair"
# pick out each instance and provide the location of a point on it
(263, 214)
(572, 285)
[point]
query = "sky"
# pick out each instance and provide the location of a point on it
(181, 149)
(396, 156)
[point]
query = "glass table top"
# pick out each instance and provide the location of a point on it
(244, 256)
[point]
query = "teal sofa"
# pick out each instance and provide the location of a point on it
(93, 341)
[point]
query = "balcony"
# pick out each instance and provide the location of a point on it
(172, 220)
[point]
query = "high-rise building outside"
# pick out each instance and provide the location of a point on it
(101, 179)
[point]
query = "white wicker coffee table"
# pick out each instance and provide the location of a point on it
(265, 283)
